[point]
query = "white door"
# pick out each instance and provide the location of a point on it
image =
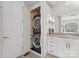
(61, 47)
(12, 29)
(74, 48)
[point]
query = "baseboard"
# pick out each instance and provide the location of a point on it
(26, 53)
(35, 53)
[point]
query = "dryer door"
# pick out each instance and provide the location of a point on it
(36, 41)
(36, 22)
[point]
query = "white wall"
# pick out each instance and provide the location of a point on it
(27, 30)
(45, 12)
(13, 29)
(57, 28)
(35, 6)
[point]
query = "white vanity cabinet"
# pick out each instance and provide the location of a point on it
(63, 47)
(52, 45)
(57, 46)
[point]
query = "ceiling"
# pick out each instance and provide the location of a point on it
(62, 7)
(57, 7)
(29, 4)
(54, 4)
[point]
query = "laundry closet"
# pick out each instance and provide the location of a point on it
(36, 28)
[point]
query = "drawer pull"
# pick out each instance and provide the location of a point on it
(51, 46)
(51, 41)
(51, 51)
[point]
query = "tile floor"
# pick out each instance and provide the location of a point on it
(33, 55)
(30, 55)
(50, 56)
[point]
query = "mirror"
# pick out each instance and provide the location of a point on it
(67, 23)
(70, 22)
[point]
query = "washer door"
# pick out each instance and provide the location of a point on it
(36, 22)
(36, 41)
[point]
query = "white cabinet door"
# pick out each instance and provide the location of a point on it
(74, 48)
(61, 47)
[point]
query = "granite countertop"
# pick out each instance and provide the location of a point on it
(64, 35)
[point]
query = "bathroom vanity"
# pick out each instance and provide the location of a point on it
(63, 45)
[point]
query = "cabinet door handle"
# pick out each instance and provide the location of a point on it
(67, 45)
(5, 37)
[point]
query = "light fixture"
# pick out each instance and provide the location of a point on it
(51, 20)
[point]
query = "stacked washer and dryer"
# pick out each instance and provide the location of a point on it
(36, 34)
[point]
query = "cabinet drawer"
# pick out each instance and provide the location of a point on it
(50, 37)
(51, 41)
(52, 51)
(51, 45)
